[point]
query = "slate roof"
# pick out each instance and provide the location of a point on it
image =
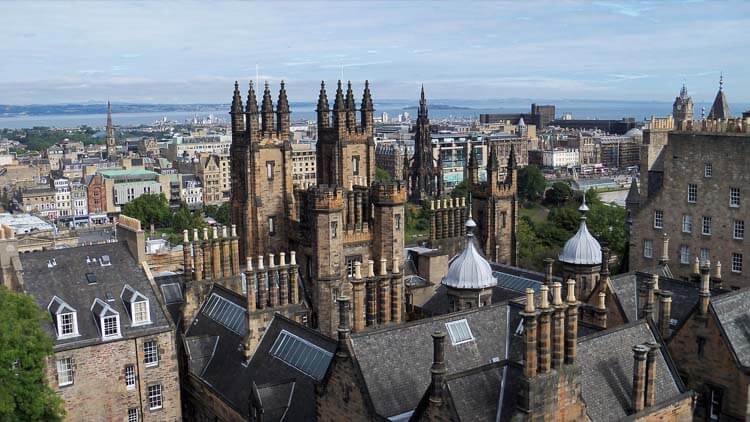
(606, 361)
(470, 269)
(720, 107)
(226, 371)
(397, 387)
(68, 281)
(733, 312)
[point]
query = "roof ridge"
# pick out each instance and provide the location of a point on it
(726, 296)
(477, 369)
(614, 330)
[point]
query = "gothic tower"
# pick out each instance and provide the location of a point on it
(682, 109)
(425, 178)
(110, 136)
(720, 107)
(496, 207)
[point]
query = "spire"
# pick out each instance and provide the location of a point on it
(109, 117)
(110, 135)
(338, 104)
(350, 105)
(720, 107)
(422, 104)
(367, 109)
(282, 112)
(583, 208)
(634, 197)
(282, 105)
(322, 109)
(683, 92)
(367, 98)
(252, 102)
(492, 162)
(267, 110)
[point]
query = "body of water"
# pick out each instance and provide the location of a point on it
(579, 109)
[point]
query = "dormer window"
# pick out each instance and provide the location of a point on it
(107, 319)
(137, 305)
(104, 261)
(64, 317)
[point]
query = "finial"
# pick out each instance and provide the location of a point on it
(583, 208)
(721, 81)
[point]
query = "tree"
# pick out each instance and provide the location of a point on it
(565, 218)
(184, 219)
(149, 208)
(558, 194)
(461, 190)
(531, 183)
(607, 223)
(382, 175)
(24, 347)
(220, 213)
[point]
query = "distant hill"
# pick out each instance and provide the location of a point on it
(439, 107)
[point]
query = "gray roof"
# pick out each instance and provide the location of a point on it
(606, 361)
(225, 370)
(68, 281)
(720, 107)
(733, 312)
(397, 387)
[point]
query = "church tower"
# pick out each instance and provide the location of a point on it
(110, 136)
(682, 109)
(425, 178)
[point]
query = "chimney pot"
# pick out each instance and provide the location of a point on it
(205, 233)
(571, 291)
(601, 302)
(234, 230)
(282, 259)
(358, 270)
(271, 262)
(185, 236)
(260, 262)
(216, 232)
(696, 266)
(224, 232)
(717, 270)
(293, 258)
(556, 294)
(396, 268)
(249, 263)
(544, 297)
(195, 234)
(530, 301)
(370, 268)
(383, 269)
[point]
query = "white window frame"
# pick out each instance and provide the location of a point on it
(74, 325)
(692, 193)
(734, 197)
(684, 254)
(736, 262)
(134, 415)
(705, 255)
(104, 320)
(134, 312)
(708, 170)
(648, 248)
(148, 353)
(130, 377)
(658, 219)
(65, 366)
(687, 223)
(738, 229)
(451, 324)
(156, 396)
(706, 222)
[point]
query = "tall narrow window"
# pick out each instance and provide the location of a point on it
(706, 225)
(708, 170)
(658, 219)
(334, 229)
(714, 403)
(67, 324)
(692, 192)
(154, 397)
(111, 326)
(739, 229)
(398, 221)
(269, 169)
(355, 165)
(133, 415)
(734, 197)
(705, 254)
(701, 346)
(271, 226)
(130, 377)
(150, 353)
(736, 262)
(684, 254)
(648, 248)
(687, 223)
(64, 372)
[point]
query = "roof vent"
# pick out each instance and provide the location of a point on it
(109, 297)
(91, 278)
(51, 263)
(104, 261)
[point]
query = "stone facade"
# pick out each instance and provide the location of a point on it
(98, 391)
(692, 193)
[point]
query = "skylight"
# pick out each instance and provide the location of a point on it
(226, 313)
(459, 331)
(172, 293)
(302, 355)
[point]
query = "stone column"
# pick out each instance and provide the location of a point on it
(250, 279)
(283, 280)
(571, 324)
(262, 284)
(198, 256)
(558, 321)
(650, 394)
(705, 290)
(186, 256)
(433, 221)
(294, 278)
(226, 260)
(206, 246)
(665, 312)
(384, 297)
(545, 316)
(358, 295)
(397, 283)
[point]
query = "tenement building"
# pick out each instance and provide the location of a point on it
(114, 343)
(347, 231)
(693, 190)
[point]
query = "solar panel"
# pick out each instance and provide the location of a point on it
(302, 355)
(172, 293)
(514, 282)
(459, 331)
(226, 313)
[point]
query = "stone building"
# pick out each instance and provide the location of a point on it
(109, 138)
(304, 170)
(682, 109)
(344, 222)
(208, 170)
(390, 157)
(691, 190)
(425, 176)
(114, 344)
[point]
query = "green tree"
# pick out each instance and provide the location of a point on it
(149, 208)
(558, 194)
(531, 183)
(184, 219)
(461, 190)
(24, 347)
(382, 175)
(607, 223)
(219, 213)
(592, 197)
(565, 218)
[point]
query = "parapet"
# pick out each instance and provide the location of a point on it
(390, 192)
(327, 197)
(129, 222)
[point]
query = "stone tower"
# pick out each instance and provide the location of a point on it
(110, 136)
(425, 178)
(682, 109)
(495, 205)
(261, 199)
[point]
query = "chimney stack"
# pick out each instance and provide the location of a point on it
(437, 371)
(650, 394)
(639, 376)
(705, 290)
(571, 326)
(545, 352)
(343, 348)
(529, 322)
(558, 326)
(665, 313)
(358, 291)
(664, 250)
(548, 270)
(648, 308)
(600, 311)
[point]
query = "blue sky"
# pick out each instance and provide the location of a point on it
(193, 51)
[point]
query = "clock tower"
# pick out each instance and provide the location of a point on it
(682, 109)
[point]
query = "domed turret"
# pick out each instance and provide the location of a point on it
(470, 270)
(582, 248)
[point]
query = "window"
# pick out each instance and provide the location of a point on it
(687, 223)
(301, 354)
(150, 353)
(133, 415)
(67, 324)
(705, 255)
(701, 346)
(706, 225)
(658, 219)
(684, 254)
(269, 169)
(736, 262)
(64, 372)
(271, 226)
(140, 312)
(459, 331)
(334, 229)
(398, 221)
(714, 396)
(355, 165)
(692, 192)
(734, 197)
(154, 397)
(130, 377)
(350, 261)
(648, 248)
(708, 170)
(739, 229)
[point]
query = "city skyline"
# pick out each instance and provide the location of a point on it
(187, 53)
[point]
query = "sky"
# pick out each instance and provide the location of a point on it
(192, 52)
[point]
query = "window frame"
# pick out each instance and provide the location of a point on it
(130, 377)
(648, 246)
(708, 170)
(692, 193)
(684, 254)
(73, 325)
(735, 200)
(104, 321)
(150, 353)
(69, 371)
(706, 222)
(134, 415)
(687, 223)
(736, 263)
(738, 226)
(159, 395)
(658, 219)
